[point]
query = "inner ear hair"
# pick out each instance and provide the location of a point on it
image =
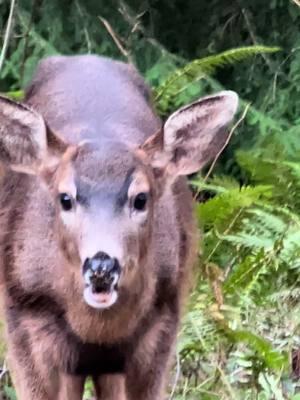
(55, 143)
(154, 143)
(53, 164)
(153, 150)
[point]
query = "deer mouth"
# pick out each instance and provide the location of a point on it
(101, 290)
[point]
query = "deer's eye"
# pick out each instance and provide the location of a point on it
(66, 201)
(140, 201)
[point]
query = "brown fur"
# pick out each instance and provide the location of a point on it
(55, 340)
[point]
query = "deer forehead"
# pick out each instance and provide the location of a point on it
(100, 172)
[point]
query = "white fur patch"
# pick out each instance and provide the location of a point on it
(68, 218)
(99, 300)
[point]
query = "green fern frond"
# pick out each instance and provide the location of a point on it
(268, 223)
(197, 69)
(224, 181)
(294, 168)
(218, 209)
(272, 358)
(246, 274)
(285, 295)
(249, 241)
(282, 210)
(291, 247)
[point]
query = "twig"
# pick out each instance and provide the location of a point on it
(274, 85)
(3, 371)
(228, 22)
(226, 382)
(223, 148)
(177, 375)
(133, 21)
(227, 230)
(86, 33)
(7, 33)
(297, 2)
(26, 39)
(252, 35)
(227, 141)
(115, 38)
(136, 26)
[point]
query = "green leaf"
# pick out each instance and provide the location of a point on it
(223, 206)
(10, 392)
(245, 274)
(16, 94)
(272, 358)
(296, 397)
(197, 69)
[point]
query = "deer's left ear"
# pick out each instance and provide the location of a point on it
(26, 143)
(193, 135)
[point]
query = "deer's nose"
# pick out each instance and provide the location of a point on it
(101, 263)
(101, 271)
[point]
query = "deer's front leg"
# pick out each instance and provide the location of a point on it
(147, 372)
(110, 387)
(30, 385)
(70, 387)
(27, 383)
(25, 374)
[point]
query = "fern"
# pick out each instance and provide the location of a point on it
(246, 274)
(222, 207)
(197, 69)
(267, 223)
(259, 252)
(273, 359)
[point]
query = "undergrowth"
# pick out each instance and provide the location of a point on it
(240, 338)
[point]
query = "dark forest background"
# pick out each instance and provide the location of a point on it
(240, 338)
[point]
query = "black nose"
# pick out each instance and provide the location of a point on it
(102, 271)
(101, 264)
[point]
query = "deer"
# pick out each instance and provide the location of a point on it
(98, 238)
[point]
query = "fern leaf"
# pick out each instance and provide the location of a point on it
(249, 241)
(272, 358)
(291, 248)
(272, 223)
(246, 274)
(197, 69)
(218, 209)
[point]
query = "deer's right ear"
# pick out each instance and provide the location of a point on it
(26, 143)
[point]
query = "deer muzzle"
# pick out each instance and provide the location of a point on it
(101, 275)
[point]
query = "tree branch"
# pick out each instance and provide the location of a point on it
(7, 33)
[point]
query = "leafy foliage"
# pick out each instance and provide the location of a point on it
(240, 336)
(198, 69)
(251, 259)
